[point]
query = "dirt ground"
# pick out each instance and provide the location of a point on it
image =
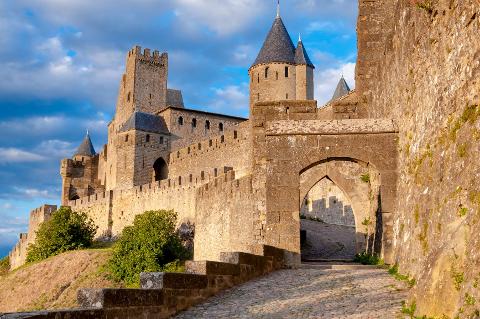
(53, 283)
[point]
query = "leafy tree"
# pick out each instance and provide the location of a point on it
(4, 265)
(151, 244)
(65, 230)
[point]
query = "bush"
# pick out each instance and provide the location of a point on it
(151, 244)
(66, 230)
(368, 259)
(4, 266)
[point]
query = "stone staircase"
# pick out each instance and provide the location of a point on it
(162, 295)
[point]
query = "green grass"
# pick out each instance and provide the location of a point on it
(365, 178)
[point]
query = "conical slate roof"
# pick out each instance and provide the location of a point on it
(145, 122)
(341, 90)
(86, 148)
(278, 46)
(301, 56)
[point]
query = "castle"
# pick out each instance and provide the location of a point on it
(402, 148)
(161, 155)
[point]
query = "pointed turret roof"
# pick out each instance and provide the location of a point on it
(86, 148)
(341, 90)
(278, 46)
(301, 56)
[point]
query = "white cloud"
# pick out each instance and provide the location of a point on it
(232, 97)
(55, 148)
(15, 155)
(34, 193)
(326, 81)
(222, 16)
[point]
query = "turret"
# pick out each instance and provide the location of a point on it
(304, 73)
(85, 149)
(341, 90)
(273, 75)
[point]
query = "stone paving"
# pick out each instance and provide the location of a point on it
(309, 292)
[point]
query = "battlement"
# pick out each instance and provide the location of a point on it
(156, 57)
(164, 186)
(229, 138)
(43, 212)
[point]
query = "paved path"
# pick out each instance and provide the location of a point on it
(309, 292)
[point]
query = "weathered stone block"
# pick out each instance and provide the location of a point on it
(211, 268)
(161, 280)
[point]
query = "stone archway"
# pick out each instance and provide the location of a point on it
(160, 170)
(343, 197)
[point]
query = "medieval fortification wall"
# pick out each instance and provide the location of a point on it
(427, 78)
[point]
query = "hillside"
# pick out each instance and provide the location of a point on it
(53, 283)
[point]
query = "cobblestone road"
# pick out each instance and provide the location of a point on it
(309, 292)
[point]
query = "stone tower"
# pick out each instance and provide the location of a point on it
(281, 71)
(144, 85)
(79, 174)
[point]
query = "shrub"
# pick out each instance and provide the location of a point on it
(365, 178)
(151, 244)
(4, 265)
(368, 259)
(66, 230)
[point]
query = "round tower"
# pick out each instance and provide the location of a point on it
(281, 71)
(273, 74)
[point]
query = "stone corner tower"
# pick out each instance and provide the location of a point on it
(281, 71)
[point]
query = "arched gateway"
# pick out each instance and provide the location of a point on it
(293, 151)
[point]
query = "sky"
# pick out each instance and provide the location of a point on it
(61, 62)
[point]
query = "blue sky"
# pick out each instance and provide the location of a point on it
(61, 62)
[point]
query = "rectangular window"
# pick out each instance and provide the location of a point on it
(286, 71)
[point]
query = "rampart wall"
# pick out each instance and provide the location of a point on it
(113, 210)
(428, 81)
(232, 149)
(224, 217)
(18, 255)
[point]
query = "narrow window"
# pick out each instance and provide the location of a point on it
(161, 139)
(258, 78)
(202, 175)
(276, 75)
(147, 138)
(128, 96)
(258, 96)
(222, 138)
(180, 180)
(266, 72)
(287, 96)
(220, 127)
(178, 154)
(199, 146)
(188, 150)
(191, 178)
(215, 172)
(194, 123)
(150, 96)
(234, 134)
(207, 124)
(210, 143)
(126, 138)
(180, 120)
(286, 71)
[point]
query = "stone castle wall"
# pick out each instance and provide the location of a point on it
(224, 217)
(428, 81)
(18, 255)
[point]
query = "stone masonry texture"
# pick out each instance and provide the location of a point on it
(401, 150)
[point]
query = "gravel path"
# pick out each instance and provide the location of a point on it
(309, 292)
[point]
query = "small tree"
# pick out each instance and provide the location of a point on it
(66, 230)
(151, 244)
(4, 266)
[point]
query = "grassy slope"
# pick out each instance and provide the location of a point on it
(53, 283)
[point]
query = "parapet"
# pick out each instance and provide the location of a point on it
(43, 212)
(229, 138)
(155, 58)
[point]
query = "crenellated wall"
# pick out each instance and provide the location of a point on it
(18, 255)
